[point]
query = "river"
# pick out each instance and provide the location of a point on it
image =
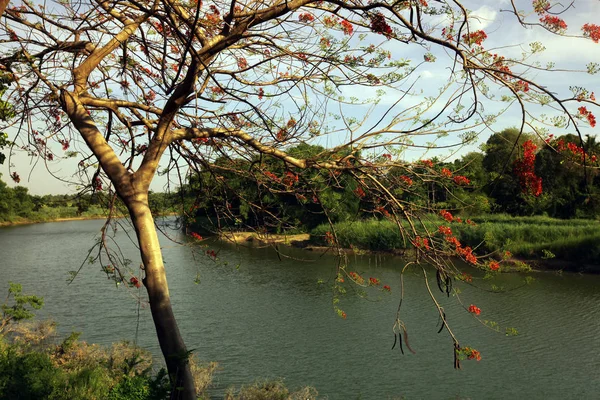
(262, 317)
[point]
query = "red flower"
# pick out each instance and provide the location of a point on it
(196, 236)
(553, 23)
(446, 173)
(591, 31)
(135, 282)
(380, 25)
(427, 163)
(347, 27)
(587, 114)
(446, 215)
(15, 177)
(524, 168)
(356, 278)
(306, 17)
(359, 192)
(374, 281)
(474, 309)
(406, 180)
(422, 243)
(494, 266)
(466, 277)
(445, 230)
(461, 180)
(475, 38)
(387, 287)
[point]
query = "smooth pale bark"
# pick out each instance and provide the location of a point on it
(169, 338)
(133, 190)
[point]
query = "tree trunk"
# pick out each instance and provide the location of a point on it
(169, 338)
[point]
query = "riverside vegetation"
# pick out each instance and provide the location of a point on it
(35, 364)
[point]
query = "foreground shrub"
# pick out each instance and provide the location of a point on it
(270, 390)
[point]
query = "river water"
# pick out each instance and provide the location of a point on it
(260, 316)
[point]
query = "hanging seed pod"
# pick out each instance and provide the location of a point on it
(440, 281)
(400, 342)
(443, 318)
(448, 285)
(395, 340)
(406, 342)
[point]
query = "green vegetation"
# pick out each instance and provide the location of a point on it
(18, 206)
(532, 238)
(34, 366)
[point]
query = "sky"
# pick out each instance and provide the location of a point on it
(504, 33)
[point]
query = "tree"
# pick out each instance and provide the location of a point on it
(124, 85)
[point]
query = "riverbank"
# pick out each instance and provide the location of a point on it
(541, 242)
(28, 221)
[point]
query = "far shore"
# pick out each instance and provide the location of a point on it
(25, 221)
(302, 241)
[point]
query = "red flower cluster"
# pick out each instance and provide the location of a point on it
(475, 38)
(135, 282)
(347, 27)
(387, 156)
(406, 180)
(445, 230)
(261, 93)
(461, 180)
(15, 177)
(474, 309)
(380, 25)
(359, 192)
(591, 31)
(494, 266)
(587, 114)
(306, 17)
(272, 176)
(65, 144)
(422, 243)
(196, 236)
(427, 163)
(446, 215)
(383, 211)
(387, 287)
(211, 253)
(329, 238)
(290, 178)
(524, 168)
(466, 277)
(356, 278)
(97, 184)
(522, 86)
(374, 281)
(472, 354)
(446, 173)
(242, 63)
(553, 23)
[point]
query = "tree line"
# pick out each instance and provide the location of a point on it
(265, 192)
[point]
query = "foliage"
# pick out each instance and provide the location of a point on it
(21, 308)
(270, 390)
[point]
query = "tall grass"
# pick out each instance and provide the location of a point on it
(527, 237)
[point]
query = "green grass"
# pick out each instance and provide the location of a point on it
(525, 237)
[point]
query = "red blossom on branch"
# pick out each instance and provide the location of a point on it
(476, 38)
(406, 180)
(461, 180)
(347, 27)
(306, 17)
(446, 173)
(588, 115)
(494, 266)
(380, 25)
(474, 309)
(553, 23)
(524, 168)
(135, 282)
(15, 177)
(446, 215)
(591, 31)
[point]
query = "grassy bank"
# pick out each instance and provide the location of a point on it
(529, 238)
(49, 214)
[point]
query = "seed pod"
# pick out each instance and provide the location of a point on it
(406, 342)
(448, 285)
(440, 280)
(443, 322)
(400, 342)
(395, 340)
